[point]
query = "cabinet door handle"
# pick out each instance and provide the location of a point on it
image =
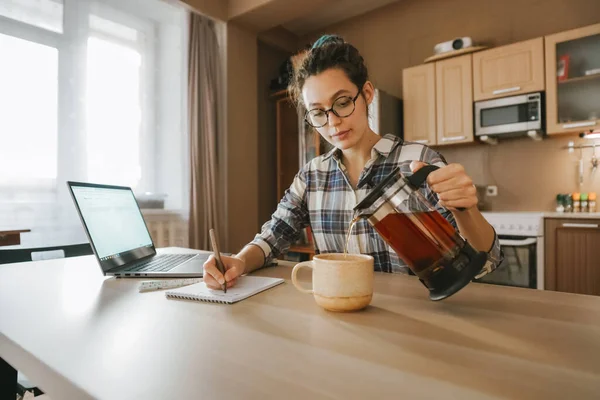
(422, 141)
(507, 90)
(579, 124)
(453, 138)
(572, 225)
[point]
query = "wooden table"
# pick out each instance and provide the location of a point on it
(11, 237)
(79, 335)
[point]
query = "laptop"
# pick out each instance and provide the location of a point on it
(120, 239)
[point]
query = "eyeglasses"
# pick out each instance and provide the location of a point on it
(342, 107)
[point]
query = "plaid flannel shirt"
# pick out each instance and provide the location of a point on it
(322, 197)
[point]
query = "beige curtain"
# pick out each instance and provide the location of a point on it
(204, 67)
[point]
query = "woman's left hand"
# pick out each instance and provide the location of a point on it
(451, 183)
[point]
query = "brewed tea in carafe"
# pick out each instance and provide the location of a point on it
(442, 259)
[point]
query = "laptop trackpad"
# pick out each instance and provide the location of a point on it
(194, 265)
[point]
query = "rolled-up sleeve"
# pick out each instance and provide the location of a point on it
(287, 222)
(494, 257)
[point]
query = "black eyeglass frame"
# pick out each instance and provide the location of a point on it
(307, 119)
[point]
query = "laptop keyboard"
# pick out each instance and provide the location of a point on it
(160, 263)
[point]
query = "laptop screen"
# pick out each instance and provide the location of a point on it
(114, 223)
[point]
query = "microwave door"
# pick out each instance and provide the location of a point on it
(498, 116)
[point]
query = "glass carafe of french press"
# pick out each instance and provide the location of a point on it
(441, 258)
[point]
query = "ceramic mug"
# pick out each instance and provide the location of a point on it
(339, 282)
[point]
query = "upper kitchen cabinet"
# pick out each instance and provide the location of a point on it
(454, 100)
(418, 93)
(509, 70)
(573, 80)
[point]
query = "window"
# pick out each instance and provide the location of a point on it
(89, 91)
(118, 59)
(113, 144)
(29, 86)
(46, 14)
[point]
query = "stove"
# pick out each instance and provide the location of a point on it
(525, 224)
(521, 236)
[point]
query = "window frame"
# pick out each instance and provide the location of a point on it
(143, 44)
(41, 36)
(72, 54)
(164, 150)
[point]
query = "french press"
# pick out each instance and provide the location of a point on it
(440, 257)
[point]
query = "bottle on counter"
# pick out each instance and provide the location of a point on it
(576, 202)
(592, 202)
(584, 202)
(560, 206)
(568, 202)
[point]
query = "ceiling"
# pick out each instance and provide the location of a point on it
(298, 17)
(281, 22)
(332, 12)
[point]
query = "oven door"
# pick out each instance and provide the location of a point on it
(519, 266)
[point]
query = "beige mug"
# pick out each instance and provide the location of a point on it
(339, 282)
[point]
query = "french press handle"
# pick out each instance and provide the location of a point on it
(419, 177)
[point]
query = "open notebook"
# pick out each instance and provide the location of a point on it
(246, 286)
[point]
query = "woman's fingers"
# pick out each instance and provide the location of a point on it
(212, 276)
(214, 279)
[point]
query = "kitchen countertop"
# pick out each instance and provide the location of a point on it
(543, 214)
(572, 215)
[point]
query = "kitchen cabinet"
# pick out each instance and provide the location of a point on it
(572, 255)
(509, 70)
(438, 102)
(573, 80)
(418, 94)
(454, 100)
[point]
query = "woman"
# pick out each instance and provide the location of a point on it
(332, 83)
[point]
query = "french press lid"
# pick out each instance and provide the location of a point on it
(415, 181)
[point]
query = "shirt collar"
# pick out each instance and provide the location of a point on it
(333, 151)
(387, 144)
(383, 147)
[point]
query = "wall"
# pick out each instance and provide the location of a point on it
(529, 174)
(212, 8)
(269, 60)
(242, 137)
(240, 175)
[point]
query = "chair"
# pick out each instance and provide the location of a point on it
(16, 255)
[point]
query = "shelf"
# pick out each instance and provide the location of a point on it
(11, 237)
(280, 93)
(580, 79)
(455, 53)
(308, 249)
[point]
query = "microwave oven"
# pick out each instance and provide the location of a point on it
(510, 116)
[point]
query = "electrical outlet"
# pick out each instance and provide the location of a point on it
(491, 191)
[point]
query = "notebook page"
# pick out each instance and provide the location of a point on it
(245, 287)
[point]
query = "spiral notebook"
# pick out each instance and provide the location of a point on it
(245, 287)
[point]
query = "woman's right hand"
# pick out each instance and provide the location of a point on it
(234, 267)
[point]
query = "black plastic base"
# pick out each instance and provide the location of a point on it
(477, 262)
